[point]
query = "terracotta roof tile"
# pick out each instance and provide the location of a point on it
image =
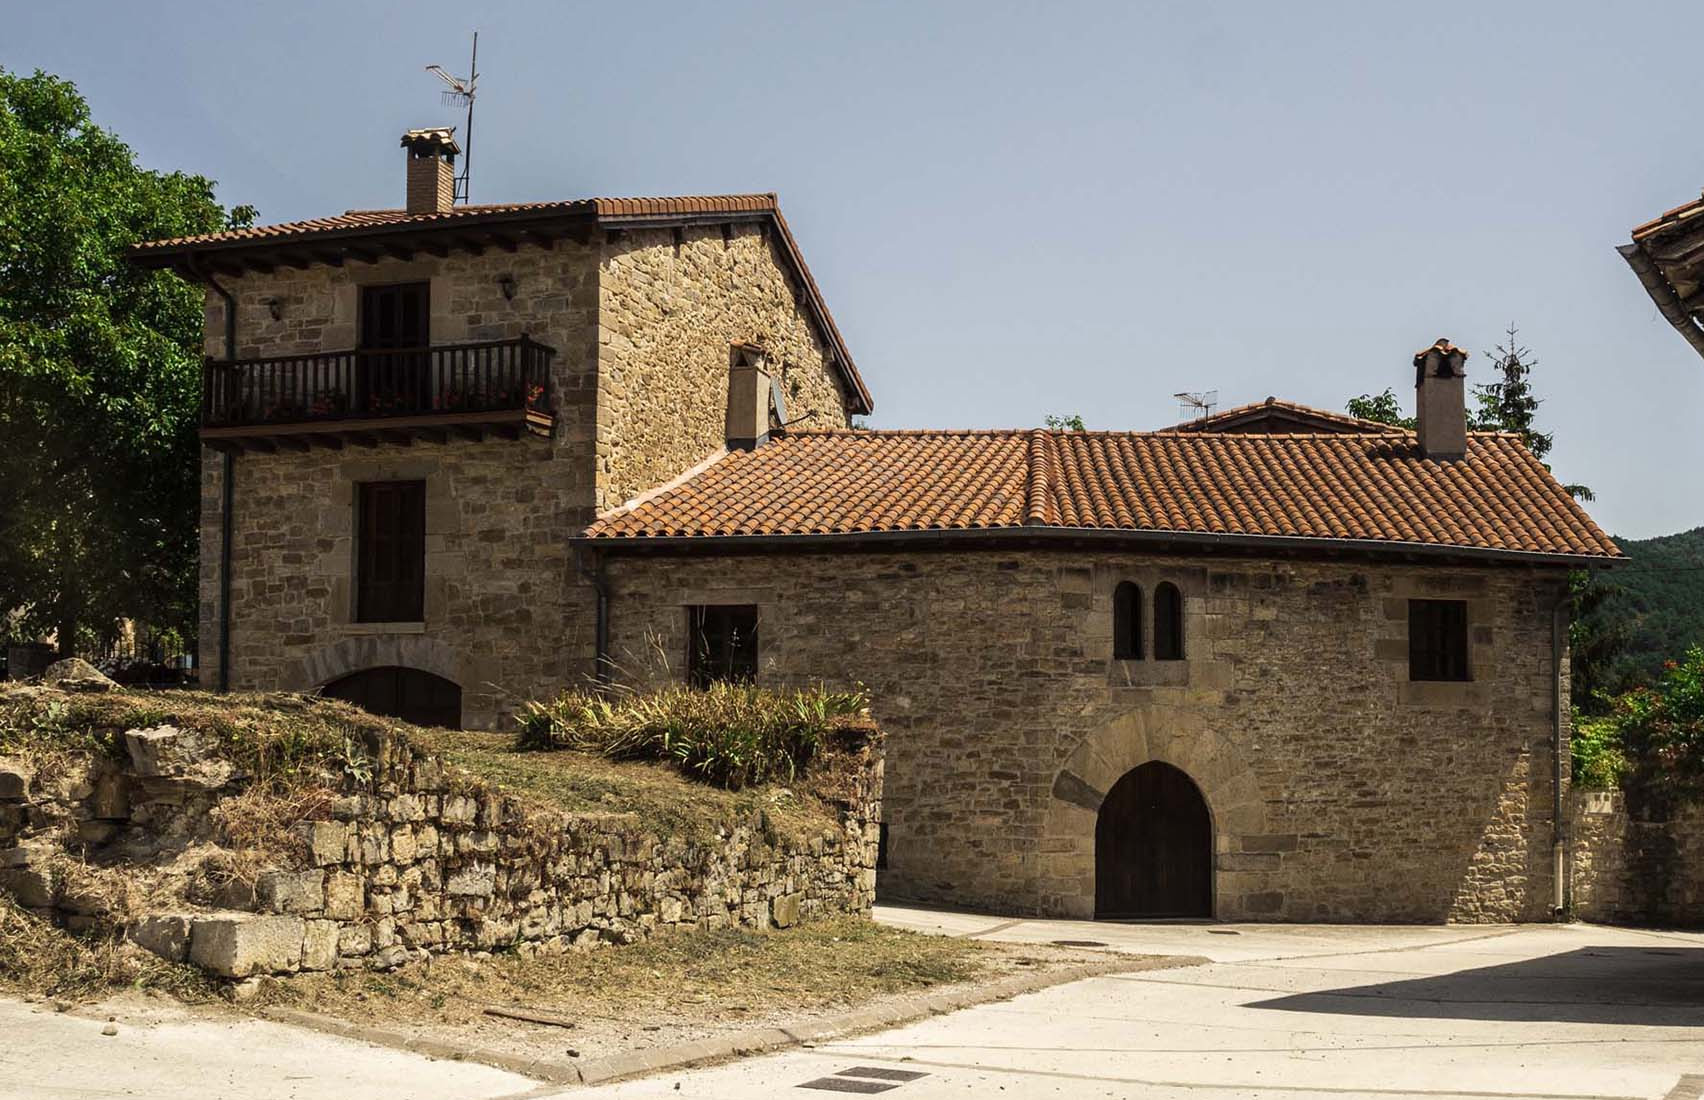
(1331, 485)
(1256, 415)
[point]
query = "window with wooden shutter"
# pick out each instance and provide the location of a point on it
(1437, 640)
(390, 552)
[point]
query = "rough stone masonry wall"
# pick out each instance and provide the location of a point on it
(499, 512)
(1636, 866)
(416, 863)
(671, 305)
(1338, 789)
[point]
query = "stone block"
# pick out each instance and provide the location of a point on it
(319, 945)
(15, 778)
(354, 940)
(238, 945)
(165, 934)
(31, 887)
(784, 910)
(473, 880)
(345, 896)
(291, 891)
(328, 841)
(166, 752)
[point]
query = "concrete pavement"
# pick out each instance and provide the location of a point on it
(163, 1052)
(1284, 1012)
(1292, 1012)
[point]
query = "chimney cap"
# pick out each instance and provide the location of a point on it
(1451, 354)
(431, 141)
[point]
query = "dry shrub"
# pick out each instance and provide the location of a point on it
(731, 735)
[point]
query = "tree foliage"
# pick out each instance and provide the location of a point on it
(1383, 407)
(1072, 423)
(1661, 729)
(98, 374)
(1656, 607)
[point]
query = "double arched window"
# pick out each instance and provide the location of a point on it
(1127, 622)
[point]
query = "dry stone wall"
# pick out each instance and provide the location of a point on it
(413, 863)
(1338, 789)
(1636, 865)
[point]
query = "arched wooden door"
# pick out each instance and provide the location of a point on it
(1154, 847)
(405, 693)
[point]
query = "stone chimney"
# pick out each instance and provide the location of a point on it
(431, 169)
(748, 398)
(1440, 400)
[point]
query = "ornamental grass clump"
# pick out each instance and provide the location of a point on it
(731, 735)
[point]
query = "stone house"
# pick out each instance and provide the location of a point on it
(1279, 663)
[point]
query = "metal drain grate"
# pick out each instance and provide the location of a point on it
(848, 1084)
(881, 1079)
(882, 1074)
(1078, 943)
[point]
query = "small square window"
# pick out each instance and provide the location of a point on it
(1437, 640)
(722, 644)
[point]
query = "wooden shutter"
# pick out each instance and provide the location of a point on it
(391, 552)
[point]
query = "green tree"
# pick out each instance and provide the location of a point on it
(1662, 729)
(1072, 423)
(1383, 407)
(1510, 405)
(99, 368)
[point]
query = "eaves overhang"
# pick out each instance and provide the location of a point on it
(1097, 538)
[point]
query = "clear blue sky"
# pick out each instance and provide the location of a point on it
(1023, 209)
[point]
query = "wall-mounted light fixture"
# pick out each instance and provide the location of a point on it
(507, 282)
(274, 306)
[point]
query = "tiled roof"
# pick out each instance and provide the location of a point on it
(464, 215)
(353, 225)
(1668, 219)
(1350, 487)
(1274, 415)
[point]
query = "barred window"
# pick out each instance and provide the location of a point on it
(1437, 640)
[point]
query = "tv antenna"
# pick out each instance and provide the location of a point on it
(1202, 404)
(458, 92)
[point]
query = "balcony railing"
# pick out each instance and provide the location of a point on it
(453, 381)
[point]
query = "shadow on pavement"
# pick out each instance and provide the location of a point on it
(1652, 986)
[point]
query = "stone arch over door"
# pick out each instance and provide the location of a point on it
(1185, 739)
(354, 654)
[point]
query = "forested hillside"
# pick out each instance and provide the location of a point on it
(1660, 598)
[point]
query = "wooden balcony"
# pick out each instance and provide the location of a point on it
(372, 396)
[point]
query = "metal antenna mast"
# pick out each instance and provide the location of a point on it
(1202, 403)
(461, 91)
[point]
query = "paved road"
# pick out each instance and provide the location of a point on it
(1284, 1013)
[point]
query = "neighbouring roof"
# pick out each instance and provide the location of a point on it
(374, 234)
(1353, 490)
(1273, 415)
(1667, 254)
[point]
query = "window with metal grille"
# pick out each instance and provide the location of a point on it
(390, 552)
(1437, 640)
(722, 644)
(1127, 622)
(1168, 622)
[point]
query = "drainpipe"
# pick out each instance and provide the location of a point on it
(1558, 851)
(598, 576)
(227, 485)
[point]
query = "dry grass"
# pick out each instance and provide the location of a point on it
(723, 974)
(40, 960)
(667, 803)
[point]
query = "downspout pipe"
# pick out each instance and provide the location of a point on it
(227, 484)
(1558, 828)
(593, 567)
